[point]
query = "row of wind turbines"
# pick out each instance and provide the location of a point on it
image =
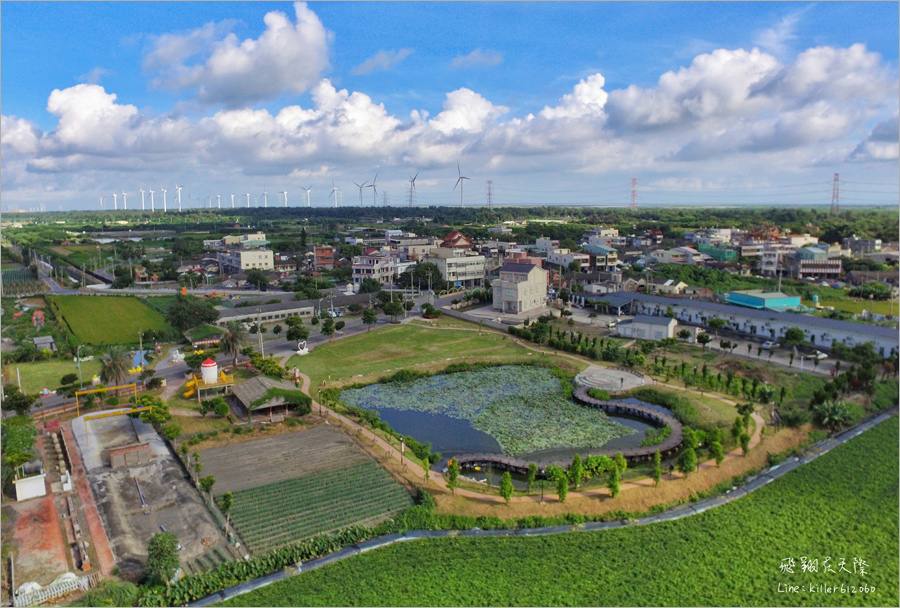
(460, 181)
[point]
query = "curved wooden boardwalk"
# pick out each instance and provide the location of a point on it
(657, 416)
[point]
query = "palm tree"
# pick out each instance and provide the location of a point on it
(116, 364)
(235, 334)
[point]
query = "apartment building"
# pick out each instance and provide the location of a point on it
(520, 288)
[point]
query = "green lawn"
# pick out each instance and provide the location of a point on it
(47, 374)
(856, 306)
(108, 320)
(843, 505)
(407, 346)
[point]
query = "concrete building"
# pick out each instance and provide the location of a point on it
(376, 266)
(323, 258)
(602, 257)
(646, 327)
(520, 288)
(242, 260)
(858, 246)
(546, 245)
(669, 287)
(678, 255)
(458, 267)
(813, 262)
(563, 258)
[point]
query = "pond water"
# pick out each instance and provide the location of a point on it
(452, 436)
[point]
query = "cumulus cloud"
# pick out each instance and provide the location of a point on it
(728, 106)
(287, 57)
(382, 60)
(883, 143)
(477, 57)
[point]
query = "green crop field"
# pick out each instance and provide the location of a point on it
(108, 320)
(407, 346)
(856, 306)
(842, 506)
(47, 374)
(280, 513)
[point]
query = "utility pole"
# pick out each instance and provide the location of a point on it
(141, 345)
(259, 333)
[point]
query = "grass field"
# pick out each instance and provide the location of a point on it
(844, 505)
(47, 374)
(856, 306)
(406, 346)
(108, 320)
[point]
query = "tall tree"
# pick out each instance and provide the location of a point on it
(16, 400)
(717, 452)
(506, 486)
(687, 461)
(189, 311)
(369, 317)
(225, 504)
(453, 474)
(531, 475)
(745, 443)
(206, 484)
(234, 336)
(716, 323)
(328, 328)
(116, 364)
(576, 470)
(657, 468)
(614, 482)
(257, 278)
(162, 557)
(562, 485)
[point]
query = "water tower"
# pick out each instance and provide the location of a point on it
(209, 370)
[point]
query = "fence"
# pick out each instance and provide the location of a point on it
(473, 319)
(57, 590)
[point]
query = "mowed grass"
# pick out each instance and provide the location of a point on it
(406, 346)
(108, 320)
(844, 505)
(47, 374)
(856, 306)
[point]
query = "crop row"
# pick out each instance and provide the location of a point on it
(355, 475)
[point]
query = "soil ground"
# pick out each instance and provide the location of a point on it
(263, 461)
(173, 504)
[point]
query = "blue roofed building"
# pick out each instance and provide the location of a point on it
(759, 299)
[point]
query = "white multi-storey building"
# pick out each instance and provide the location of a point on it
(520, 288)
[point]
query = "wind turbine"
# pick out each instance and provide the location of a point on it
(101, 202)
(124, 201)
(265, 199)
(334, 193)
(232, 200)
(248, 200)
(360, 186)
(307, 194)
(374, 190)
(152, 206)
(142, 198)
(459, 182)
(115, 201)
(178, 194)
(412, 187)
(165, 208)
(219, 201)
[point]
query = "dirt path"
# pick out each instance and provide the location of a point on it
(417, 471)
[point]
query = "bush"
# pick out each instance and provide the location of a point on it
(794, 416)
(599, 393)
(112, 401)
(171, 431)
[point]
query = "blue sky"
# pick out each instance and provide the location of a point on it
(704, 103)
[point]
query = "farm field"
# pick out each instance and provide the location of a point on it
(108, 320)
(302, 453)
(406, 346)
(18, 280)
(277, 514)
(730, 556)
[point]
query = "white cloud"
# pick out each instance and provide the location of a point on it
(94, 76)
(776, 39)
(882, 143)
(466, 111)
(382, 60)
(287, 57)
(18, 135)
(477, 57)
(587, 99)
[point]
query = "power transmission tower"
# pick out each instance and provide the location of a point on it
(836, 195)
(634, 193)
(489, 192)
(384, 199)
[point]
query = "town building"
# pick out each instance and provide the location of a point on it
(646, 327)
(563, 259)
(678, 255)
(859, 246)
(456, 240)
(520, 288)
(546, 245)
(759, 299)
(458, 267)
(377, 265)
(323, 258)
(242, 260)
(602, 257)
(812, 262)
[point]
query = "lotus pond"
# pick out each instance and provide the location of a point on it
(512, 409)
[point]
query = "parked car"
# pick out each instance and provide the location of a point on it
(819, 355)
(769, 345)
